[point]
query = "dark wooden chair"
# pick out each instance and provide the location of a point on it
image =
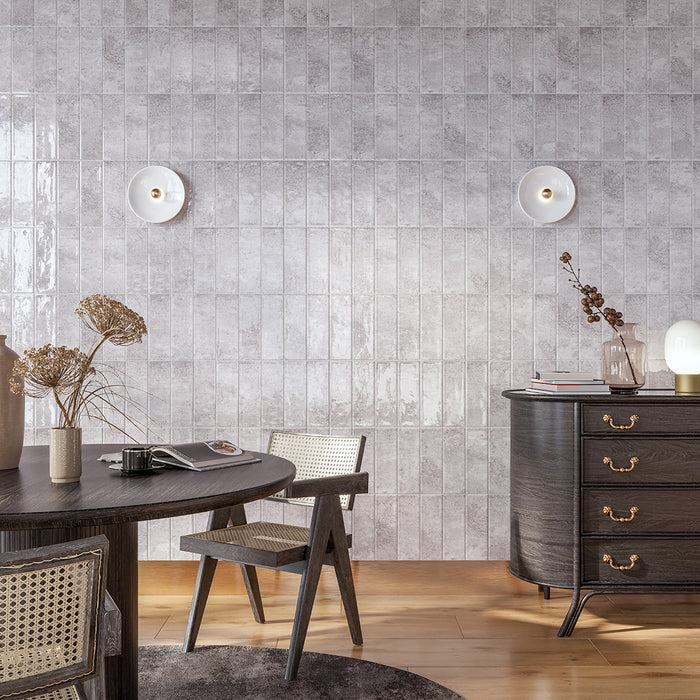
(327, 478)
(57, 621)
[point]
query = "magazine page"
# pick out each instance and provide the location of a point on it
(199, 454)
(224, 447)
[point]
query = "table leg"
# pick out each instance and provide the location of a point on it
(121, 672)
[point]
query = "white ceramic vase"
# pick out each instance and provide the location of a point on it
(65, 455)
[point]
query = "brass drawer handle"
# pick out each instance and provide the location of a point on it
(634, 461)
(607, 418)
(607, 510)
(634, 558)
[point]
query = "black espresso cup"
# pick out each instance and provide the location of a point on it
(136, 460)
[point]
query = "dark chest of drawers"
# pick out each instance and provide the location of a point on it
(605, 493)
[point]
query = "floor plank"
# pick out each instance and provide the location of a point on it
(468, 625)
(461, 652)
(567, 682)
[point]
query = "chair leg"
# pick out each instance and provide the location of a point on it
(319, 535)
(250, 578)
(250, 575)
(94, 689)
(205, 574)
(343, 572)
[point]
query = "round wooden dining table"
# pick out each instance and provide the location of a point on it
(35, 512)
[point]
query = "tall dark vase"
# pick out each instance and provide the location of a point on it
(11, 412)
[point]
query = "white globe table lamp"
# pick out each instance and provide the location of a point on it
(682, 353)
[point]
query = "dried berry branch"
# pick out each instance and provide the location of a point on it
(592, 302)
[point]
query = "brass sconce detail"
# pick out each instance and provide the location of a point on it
(156, 194)
(546, 194)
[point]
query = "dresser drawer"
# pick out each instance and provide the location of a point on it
(641, 511)
(661, 561)
(651, 419)
(648, 461)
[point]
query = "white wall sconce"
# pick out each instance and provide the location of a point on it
(156, 194)
(682, 353)
(546, 194)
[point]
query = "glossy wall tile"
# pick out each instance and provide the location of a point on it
(351, 257)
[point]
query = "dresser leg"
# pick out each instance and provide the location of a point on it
(574, 613)
(544, 590)
(564, 630)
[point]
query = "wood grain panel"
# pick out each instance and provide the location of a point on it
(675, 418)
(542, 478)
(662, 460)
(664, 510)
(661, 561)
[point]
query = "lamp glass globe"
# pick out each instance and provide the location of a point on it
(682, 347)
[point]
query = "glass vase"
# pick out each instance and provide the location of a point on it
(624, 360)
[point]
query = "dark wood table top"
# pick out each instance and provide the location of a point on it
(643, 395)
(103, 496)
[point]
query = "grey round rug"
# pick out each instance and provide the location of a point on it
(257, 673)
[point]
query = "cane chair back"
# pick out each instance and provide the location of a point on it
(50, 601)
(316, 456)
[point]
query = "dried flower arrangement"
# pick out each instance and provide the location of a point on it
(592, 302)
(70, 375)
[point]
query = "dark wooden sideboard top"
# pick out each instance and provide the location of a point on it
(645, 395)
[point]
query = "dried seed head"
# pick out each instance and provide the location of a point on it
(50, 368)
(111, 319)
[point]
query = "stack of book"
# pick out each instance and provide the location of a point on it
(567, 383)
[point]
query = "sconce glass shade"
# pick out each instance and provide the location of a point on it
(682, 353)
(546, 194)
(156, 194)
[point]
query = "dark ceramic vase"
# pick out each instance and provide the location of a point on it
(11, 411)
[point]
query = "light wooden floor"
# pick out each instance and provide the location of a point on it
(468, 625)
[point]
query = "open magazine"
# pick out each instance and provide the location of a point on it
(202, 456)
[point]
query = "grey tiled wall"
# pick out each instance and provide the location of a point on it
(352, 257)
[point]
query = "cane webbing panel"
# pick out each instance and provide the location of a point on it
(63, 694)
(48, 614)
(270, 537)
(259, 544)
(21, 663)
(316, 456)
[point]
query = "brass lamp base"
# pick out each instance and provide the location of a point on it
(687, 383)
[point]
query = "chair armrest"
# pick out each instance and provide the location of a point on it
(357, 482)
(111, 634)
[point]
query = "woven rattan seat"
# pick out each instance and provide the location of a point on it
(327, 478)
(52, 615)
(260, 544)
